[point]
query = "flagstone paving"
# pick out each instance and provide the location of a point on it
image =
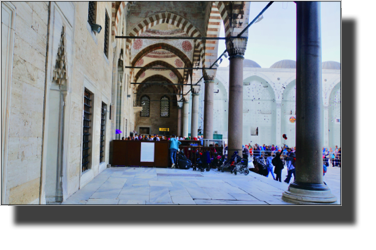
(143, 186)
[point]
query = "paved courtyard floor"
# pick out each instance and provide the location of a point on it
(139, 185)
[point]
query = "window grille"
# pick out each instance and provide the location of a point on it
(103, 133)
(106, 34)
(118, 110)
(165, 106)
(87, 130)
(91, 12)
(145, 104)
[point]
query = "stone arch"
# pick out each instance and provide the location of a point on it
(157, 77)
(167, 47)
(159, 63)
(259, 111)
(166, 17)
(287, 127)
(330, 90)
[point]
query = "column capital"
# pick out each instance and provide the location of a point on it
(195, 91)
(236, 47)
(209, 74)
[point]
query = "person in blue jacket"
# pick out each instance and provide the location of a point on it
(174, 147)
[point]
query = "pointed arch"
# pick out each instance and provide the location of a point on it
(166, 17)
(159, 63)
(167, 47)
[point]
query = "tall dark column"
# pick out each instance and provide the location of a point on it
(308, 187)
(236, 50)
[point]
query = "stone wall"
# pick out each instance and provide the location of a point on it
(155, 121)
(23, 166)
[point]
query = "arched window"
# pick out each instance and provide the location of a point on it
(145, 104)
(165, 106)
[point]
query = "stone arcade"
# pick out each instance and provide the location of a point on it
(75, 72)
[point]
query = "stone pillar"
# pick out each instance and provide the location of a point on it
(308, 187)
(194, 120)
(236, 50)
(185, 118)
(208, 107)
(179, 121)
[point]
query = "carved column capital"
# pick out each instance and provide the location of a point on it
(209, 74)
(236, 47)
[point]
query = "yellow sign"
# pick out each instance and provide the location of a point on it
(164, 129)
(292, 119)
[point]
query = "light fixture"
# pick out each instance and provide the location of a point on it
(96, 27)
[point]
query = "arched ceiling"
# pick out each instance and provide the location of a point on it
(175, 19)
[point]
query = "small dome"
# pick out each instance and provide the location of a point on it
(284, 64)
(249, 64)
(331, 65)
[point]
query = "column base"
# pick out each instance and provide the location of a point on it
(309, 194)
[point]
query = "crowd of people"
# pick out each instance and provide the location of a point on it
(273, 157)
(155, 137)
(277, 158)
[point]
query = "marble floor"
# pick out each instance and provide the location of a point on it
(139, 185)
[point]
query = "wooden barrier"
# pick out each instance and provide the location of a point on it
(128, 153)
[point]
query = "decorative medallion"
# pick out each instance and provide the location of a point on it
(142, 75)
(178, 63)
(140, 62)
(187, 46)
(137, 44)
(292, 119)
(172, 75)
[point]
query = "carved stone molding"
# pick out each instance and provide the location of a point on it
(60, 74)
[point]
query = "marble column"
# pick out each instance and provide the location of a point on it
(208, 107)
(185, 118)
(236, 50)
(194, 120)
(179, 122)
(308, 186)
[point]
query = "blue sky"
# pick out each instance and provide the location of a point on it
(274, 37)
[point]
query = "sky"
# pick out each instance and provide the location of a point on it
(274, 37)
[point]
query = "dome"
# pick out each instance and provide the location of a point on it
(331, 65)
(249, 64)
(284, 64)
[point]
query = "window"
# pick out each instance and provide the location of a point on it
(106, 34)
(145, 104)
(87, 130)
(165, 106)
(103, 133)
(91, 12)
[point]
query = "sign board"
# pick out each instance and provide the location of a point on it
(147, 152)
(292, 119)
(164, 129)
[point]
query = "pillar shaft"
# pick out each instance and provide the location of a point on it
(194, 120)
(278, 121)
(208, 109)
(179, 122)
(235, 113)
(326, 126)
(308, 94)
(185, 119)
(308, 186)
